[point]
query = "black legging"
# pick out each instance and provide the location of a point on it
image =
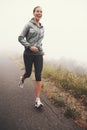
(29, 60)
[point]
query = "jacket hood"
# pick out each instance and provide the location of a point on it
(32, 21)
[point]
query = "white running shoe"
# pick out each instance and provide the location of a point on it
(38, 104)
(21, 82)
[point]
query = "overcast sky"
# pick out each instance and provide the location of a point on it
(65, 23)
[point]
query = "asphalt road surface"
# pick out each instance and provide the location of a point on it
(17, 110)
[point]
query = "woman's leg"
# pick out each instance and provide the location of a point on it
(38, 88)
(28, 61)
(38, 64)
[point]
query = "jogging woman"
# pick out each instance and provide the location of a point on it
(31, 38)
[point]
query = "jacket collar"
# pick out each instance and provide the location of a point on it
(32, 21)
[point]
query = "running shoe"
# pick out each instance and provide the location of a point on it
(38, 104)
(21, 82)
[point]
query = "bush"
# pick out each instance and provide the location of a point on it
(71, 113)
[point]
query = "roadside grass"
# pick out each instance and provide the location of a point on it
(72, 113)
(73, 83)
(76, 84)
(58, 101)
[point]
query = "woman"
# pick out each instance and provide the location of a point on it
(31, 38)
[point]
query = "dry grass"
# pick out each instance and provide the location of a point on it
(67, 90)
(69, 81)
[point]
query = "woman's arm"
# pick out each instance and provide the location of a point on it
(22, 37)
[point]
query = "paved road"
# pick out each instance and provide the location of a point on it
(17, 110)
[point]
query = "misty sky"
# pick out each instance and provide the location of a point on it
(65, 23)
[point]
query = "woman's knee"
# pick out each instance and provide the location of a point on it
(27, 75)
(38, 77)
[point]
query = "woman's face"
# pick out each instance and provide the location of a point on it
(38, 13)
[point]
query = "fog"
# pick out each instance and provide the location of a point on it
(65, 25)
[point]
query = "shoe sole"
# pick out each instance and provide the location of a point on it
(39, 106)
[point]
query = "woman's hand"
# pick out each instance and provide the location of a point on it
(33, 48)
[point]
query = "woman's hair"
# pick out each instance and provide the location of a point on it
(35, 8)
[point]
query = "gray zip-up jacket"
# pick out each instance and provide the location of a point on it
(32, 35)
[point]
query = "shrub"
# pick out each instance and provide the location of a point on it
(72, 113)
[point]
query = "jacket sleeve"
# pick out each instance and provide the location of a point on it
(22, 36)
